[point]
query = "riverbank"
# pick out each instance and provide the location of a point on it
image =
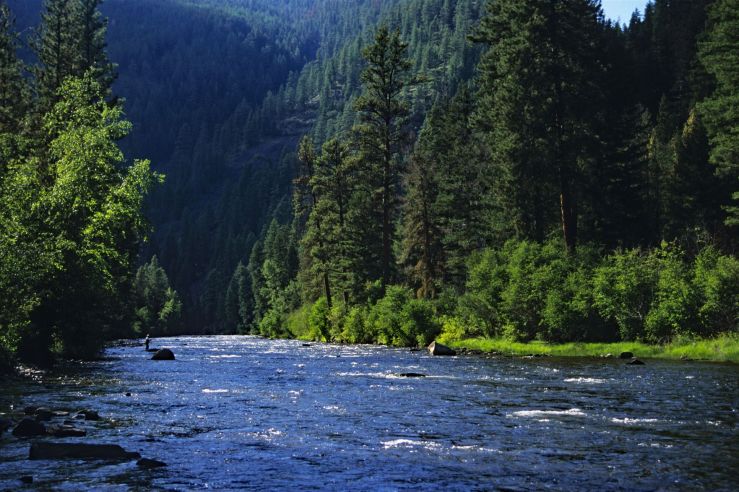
(724, 348)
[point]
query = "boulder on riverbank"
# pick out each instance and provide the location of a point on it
(163, 354)
(626, 355)
(78, 451)
(438, 349)
(29, 428)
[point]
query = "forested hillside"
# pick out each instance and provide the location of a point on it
(393, 171)
(580, 186)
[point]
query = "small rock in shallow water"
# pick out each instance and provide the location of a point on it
(26, 479)
(65, 431)
(88, 415)
(128, 394)
(626, 355)
(411, 375)
(30, 410)
(77, 451)
(635, 362)
(163, 354)
(43, 413)
(29, 428)
(149, 463)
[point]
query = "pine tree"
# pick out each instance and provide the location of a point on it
(539, 103)
(13, 90)
(719, 54)
(70, 41)
(422, 236)
(92, 54)
(306, 197)
(382, 131)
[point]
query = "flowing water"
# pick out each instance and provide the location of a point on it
(248, 413)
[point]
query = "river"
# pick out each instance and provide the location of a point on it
(245, 413)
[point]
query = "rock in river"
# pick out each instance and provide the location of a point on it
(43, 413)
(635, 362)
(5, 424)
(411, 375)
(626, 355)
(77, 451)
(88, 415)
(29, 428)
(438, 349)
(65, 431)
(149, 463)
(163, 354)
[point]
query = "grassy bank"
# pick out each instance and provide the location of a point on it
(721, 349)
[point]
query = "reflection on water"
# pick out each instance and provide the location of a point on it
(248, 413)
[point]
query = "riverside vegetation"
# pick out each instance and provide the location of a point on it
(505, 170)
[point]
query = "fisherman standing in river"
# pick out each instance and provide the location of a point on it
(147, 340)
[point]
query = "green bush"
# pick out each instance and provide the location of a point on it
(566, 282)
(336, 320)
(532, 273)
(480, 305)
(297, 323)
(385, 318)
(355, 326)
(399, 319)
(452, 329)
(419, 326)
(673, 311)
(716, 280)
(318, 321)
(624, 287)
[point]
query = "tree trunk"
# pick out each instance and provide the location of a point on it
(568, 208)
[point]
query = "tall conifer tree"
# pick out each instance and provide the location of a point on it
(719, 54)
(539, 104)
(382, 130)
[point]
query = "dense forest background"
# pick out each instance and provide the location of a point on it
(398, 170)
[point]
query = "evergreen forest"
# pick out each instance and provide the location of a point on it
(372, 171)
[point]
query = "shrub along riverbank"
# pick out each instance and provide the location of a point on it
(724, 348)
(531, 298)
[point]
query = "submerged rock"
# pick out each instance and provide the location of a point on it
(26, 479)
(77, 451)
(635, 362)
(626, 355)
(438, 349)
(5, 424)
(43, 413)
(88, 415)
(149, 463)
(163, 354)
(29, 428)
(65, 431)
(30, 410)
